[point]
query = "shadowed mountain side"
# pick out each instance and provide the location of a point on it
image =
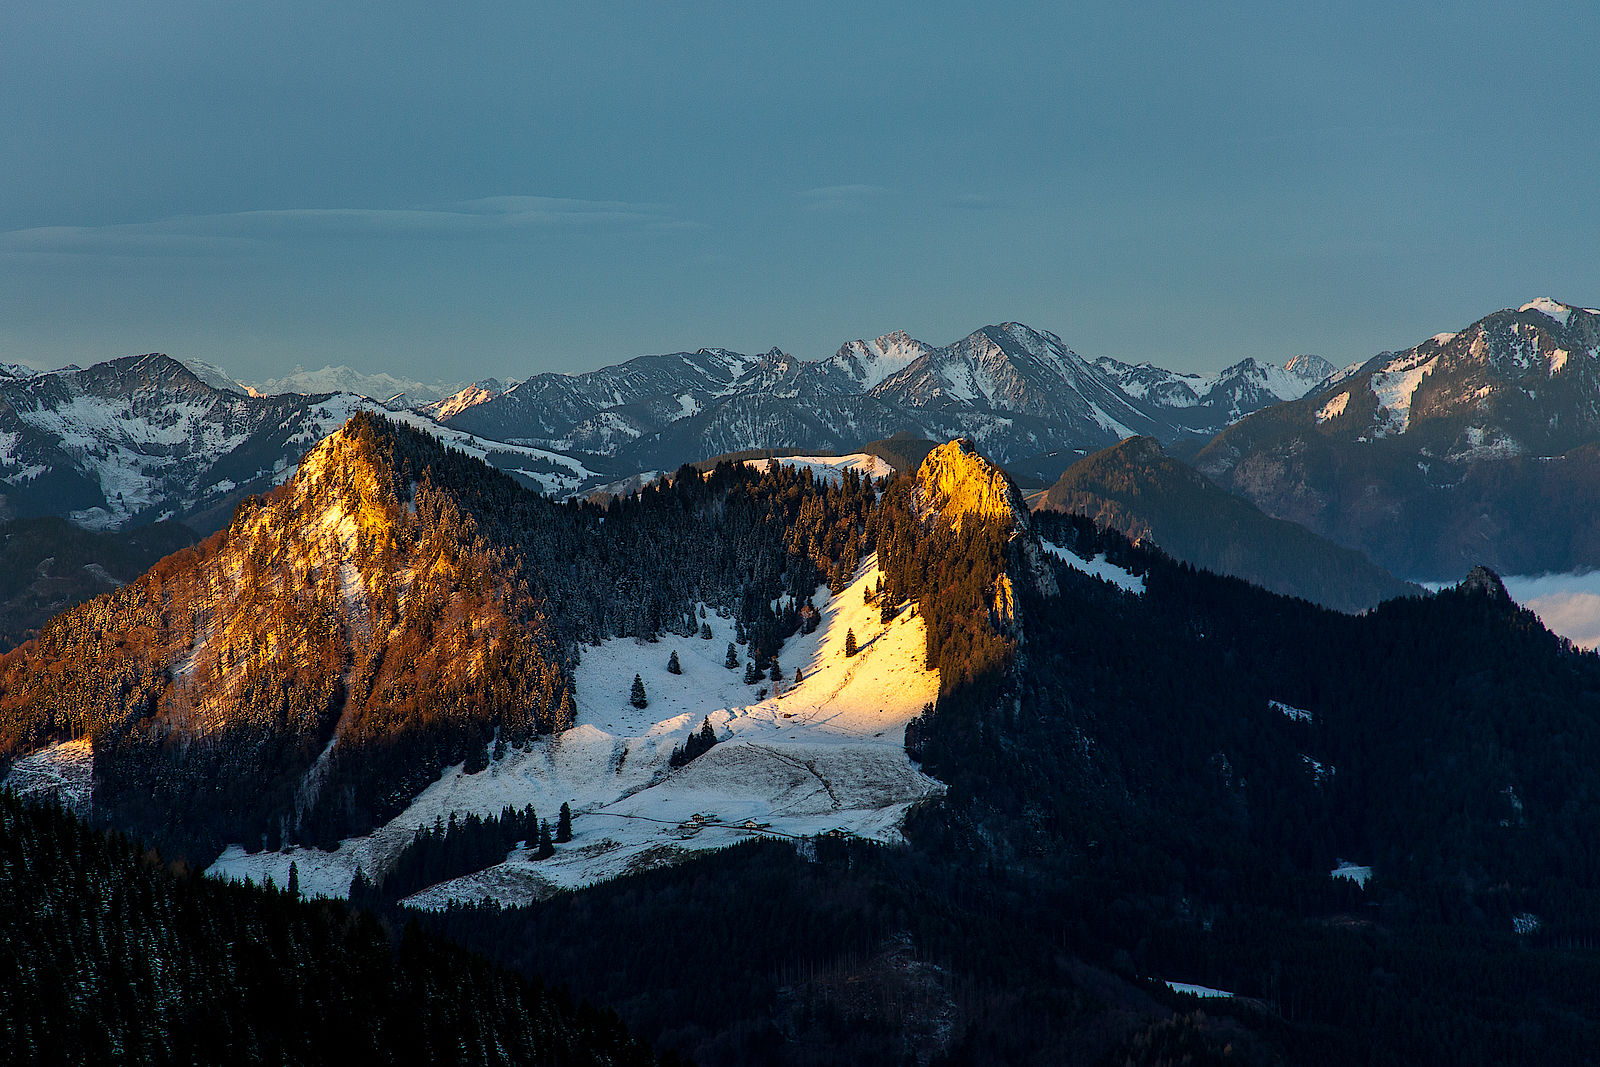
(48, 565)
(1137, 488)
(1472, 447)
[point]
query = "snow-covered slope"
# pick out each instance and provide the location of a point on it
(479, 392)
(1205, 404)
(62, 772)
(1474, 446)
(1097, 567)
(825, 754)
(865, 364)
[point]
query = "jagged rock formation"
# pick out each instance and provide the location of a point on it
(957, 487)
(955, 482)
(1483, 580)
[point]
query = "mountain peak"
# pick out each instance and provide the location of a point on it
(1309, 367)
(1483, 580)
(1140, 447)
(896, 339)
(955, 481)
(1552, 308)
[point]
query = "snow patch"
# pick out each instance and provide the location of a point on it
(830, 468)
(64, 771)
(1355, 872)
(1334, 408)
(1098, 567)
(1297, 714)
(1394, 386)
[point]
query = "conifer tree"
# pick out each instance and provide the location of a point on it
(776, 672)
(360, 889)
(637, 698)
(294, 879)
(564, 825)
(673, 666)
(731, 660)
(547, 847)
(705, 631)
(849, 642)
(799, 676)
(751, 675)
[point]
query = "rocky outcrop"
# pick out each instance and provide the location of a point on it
(955, 486)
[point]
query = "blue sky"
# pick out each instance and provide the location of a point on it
(450, 191)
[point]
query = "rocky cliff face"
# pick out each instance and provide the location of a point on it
(957, 486)
(956, 483)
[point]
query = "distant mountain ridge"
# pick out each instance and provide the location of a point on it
(1020, 394)
(1478, 446)
(342, 379)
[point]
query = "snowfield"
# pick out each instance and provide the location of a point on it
(827, 754)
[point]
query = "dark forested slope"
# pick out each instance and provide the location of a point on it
(1138, 489)
(111, 956)
(48, 565)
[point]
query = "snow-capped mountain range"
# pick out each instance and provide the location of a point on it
(145, 437)
(1020, 393)
(342, 379)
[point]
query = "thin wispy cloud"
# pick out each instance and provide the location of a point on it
(845, 199)
(202, 235)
